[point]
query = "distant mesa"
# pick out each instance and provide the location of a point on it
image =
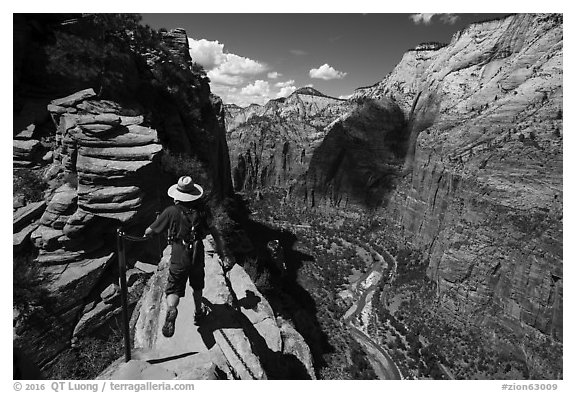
(307, 90)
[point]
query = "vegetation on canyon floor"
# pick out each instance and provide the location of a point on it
(408, 321)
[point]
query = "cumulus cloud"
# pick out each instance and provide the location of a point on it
(258, 88)
(286, 88)
(237, 79)
(286, 91)
(326, 72)
(345, 97)
(207, 53)
(427, 18)
(285, 84)
(219, 78)
(258, 92)
(223, 68)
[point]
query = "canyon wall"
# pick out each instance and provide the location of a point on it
(459, 149)
(482, 185)
(483, 194)
(272, 145)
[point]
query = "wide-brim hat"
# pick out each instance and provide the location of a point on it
(185, 190)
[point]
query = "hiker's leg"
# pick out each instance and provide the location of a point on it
(196, 277)
(175, 289)
(172, 300)
(197, 294)
(177, 274)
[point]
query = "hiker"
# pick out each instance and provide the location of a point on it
(187, 224)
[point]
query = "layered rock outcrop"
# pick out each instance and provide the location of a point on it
(100, 160)
(104, 168)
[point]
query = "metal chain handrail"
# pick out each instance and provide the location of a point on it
(237, 354)
(135, 238)
(121, 236)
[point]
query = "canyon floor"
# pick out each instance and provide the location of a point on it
(372, 291)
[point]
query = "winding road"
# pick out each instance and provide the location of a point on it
(383, 365)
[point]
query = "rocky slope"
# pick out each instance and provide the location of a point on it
(240, 339)
(271, 145)
(104, 158)
(471, 136)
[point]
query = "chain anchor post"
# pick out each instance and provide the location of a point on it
(124, 293)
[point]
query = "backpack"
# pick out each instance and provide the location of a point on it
(198, 228)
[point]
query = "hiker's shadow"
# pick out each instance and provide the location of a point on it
(224, 316)
(250, 301)
(220, 316)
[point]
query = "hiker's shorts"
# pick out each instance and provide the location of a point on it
(183, 268)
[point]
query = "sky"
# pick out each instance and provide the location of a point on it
(254, 57)
(270, 44)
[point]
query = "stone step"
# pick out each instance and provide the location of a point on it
(75, 98)
(26, 133)
(25, 215)
(145, 152)
(21, 238)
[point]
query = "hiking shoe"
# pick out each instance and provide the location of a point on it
(169, 324)
(200, 315)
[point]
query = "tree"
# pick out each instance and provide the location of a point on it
(100, 51)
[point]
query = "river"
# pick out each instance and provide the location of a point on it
(381, 362)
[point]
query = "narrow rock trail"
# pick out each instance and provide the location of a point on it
(241, 338)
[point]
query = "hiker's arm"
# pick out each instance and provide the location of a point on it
(149, 232)
(159, 225)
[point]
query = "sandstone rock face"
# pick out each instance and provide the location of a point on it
(293, 343)
(105, 164)
(103, 189)
(103, 171)
(26, 214)
(197, 367)
(25, 152)
(485, 193)
(139, 370)
(271, 145)
(97, 314)
(359, 158)
(404, 82)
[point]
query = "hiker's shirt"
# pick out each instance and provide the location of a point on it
(178, 222)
